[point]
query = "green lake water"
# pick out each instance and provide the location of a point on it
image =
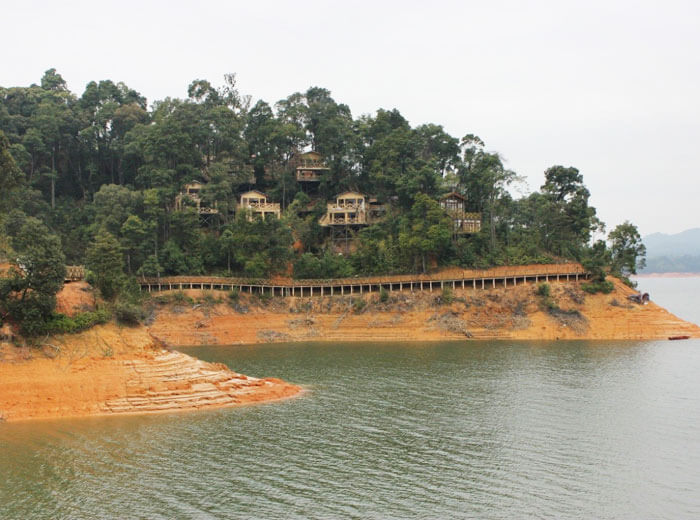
(436, 430)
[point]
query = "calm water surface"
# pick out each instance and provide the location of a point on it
(681, 296)
(441, 430)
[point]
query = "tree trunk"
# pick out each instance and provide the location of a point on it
(120, 172)
(492, 226)
(53, 178)
(155, 252)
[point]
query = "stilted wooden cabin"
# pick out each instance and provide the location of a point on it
(191, 192)
(348, 209)
(464, 222)
(310, 167)
(255, 202)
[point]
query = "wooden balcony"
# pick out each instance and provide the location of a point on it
(196, 203)
(466, 223)
(262, 209)
(262, 206)
(308, 175)
(342, 220)
(312, 164)
(344, 215)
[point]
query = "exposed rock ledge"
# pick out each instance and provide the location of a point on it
(133, 375)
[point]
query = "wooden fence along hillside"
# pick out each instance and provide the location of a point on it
(453, 278)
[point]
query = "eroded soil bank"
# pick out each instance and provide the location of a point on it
(212, 317)
(112, 370)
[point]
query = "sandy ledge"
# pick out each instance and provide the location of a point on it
(110, 370)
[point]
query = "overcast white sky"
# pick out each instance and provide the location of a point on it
(610, 87)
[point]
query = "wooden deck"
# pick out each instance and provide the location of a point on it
(75, 273)
(455, 279)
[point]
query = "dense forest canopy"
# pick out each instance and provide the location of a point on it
(102, 171)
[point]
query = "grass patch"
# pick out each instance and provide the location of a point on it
(598, 286)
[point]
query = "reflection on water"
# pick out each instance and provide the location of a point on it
(484, 430)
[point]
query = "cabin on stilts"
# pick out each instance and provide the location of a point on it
(310, 168)
(344, 217)
(464, 222)
(191, 197)
(256, 204)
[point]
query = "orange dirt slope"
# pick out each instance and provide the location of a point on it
(511, 313)
(110, 370)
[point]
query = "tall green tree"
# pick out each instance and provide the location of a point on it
(485, 180)
(105, 260)
(567, 218)
(10, 174)
(627, 249)
(425, 231)
(28, 296)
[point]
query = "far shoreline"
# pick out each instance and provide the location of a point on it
(666, 275)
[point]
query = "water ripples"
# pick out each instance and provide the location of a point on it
(477, 430)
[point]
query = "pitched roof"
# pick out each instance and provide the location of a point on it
(452, 195)
(254, 191)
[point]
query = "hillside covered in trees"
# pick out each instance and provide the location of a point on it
(94, 179)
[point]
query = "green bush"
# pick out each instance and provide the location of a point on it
(447, 295)
(181, 298)
(383, 295)
(551, 305)
(62, 324)
(233, 295)
(263, 297)
(358, 305)
(629, 283)
(209, 299)
(162, 299)
(598, 286)
(544, 289)
(128, 313)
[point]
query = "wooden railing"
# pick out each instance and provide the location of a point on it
(454, 278)
(308, 175)
(312, 163)
(262, 206)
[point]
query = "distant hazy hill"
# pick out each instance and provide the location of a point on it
(673, 253)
